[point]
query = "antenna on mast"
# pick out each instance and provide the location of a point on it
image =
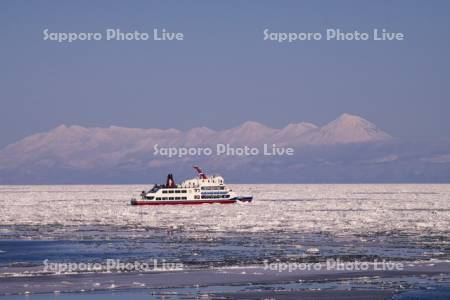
(200, 173)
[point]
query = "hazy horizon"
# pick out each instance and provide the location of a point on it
(348, 149)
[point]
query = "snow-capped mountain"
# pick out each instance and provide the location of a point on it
(123, 153)
(348, 129)
(78, 145)
(249, 133)
(293, 132)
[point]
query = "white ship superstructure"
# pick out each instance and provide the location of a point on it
(201, 190)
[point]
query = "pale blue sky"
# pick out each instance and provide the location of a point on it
(224, 73)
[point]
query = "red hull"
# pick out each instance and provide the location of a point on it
(183, 202)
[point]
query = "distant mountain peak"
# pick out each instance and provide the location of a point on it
(349, 128)
(348, 116)
(252, 125)
(351, 121)
(348, 119)
(114, 147)
(301, 125)
(201, 130)
(64, 127)
(60, 127)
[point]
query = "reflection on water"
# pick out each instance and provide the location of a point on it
(284, 224)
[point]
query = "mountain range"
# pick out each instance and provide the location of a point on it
(348, 149)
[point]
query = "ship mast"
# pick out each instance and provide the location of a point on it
(200, 173)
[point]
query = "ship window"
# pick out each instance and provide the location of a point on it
(158, 198)
(183, 191)
(170, 191)
(150, 198)
(164, 192)
(184, 198)
(177, 198)
(170, 198)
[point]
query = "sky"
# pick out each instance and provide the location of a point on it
(223, 73)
